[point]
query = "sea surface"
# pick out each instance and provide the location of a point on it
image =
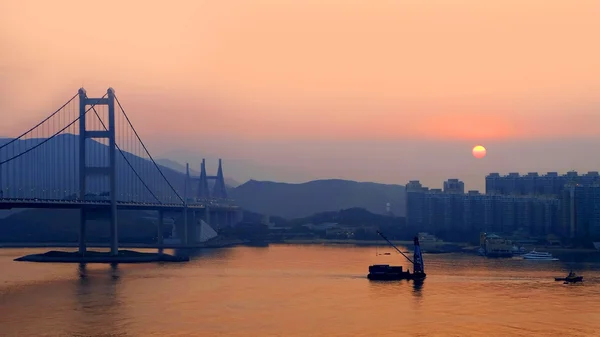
(297, 290)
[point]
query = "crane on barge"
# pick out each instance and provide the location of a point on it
(385, 272)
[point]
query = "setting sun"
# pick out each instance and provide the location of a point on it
(479, 151)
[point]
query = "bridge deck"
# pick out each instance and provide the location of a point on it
(70, 204)
(217, 244)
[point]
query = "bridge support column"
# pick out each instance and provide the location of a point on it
(82, 232)
(109, 171)
(207, 215)
(185, 226)
(194, 227)
(185, 205)
(112, 169)
(160, 231)
(114, 234)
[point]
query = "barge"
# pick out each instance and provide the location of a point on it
(385, 272)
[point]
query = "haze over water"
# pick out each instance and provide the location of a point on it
(297, 291)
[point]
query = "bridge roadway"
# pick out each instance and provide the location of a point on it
(216, 244)
(99, 204)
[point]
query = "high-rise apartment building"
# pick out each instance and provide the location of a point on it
(581, 211)
(534, 184)
(454, 186)
(435, 211)
(578, 195)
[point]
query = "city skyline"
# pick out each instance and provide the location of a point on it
(563, 205)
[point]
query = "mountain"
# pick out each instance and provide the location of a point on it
(350, 217)
(175, 166)
(51, 171)
(301, 200)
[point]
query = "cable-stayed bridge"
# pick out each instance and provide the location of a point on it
(87, 155)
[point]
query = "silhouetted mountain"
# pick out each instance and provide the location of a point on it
(393, 226)
(350, 217)
(52, 171)
(301, 200)
(253, 217)
(175, 166)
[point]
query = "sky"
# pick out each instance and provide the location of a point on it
(385, 91)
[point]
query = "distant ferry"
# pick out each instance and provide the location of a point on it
(542, 256)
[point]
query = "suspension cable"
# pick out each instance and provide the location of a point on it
(40, 123)
(126, 160)
(47, 139)
(147, 152)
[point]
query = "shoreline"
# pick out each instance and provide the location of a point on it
(437, 247)
(365, 242)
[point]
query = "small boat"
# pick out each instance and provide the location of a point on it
(541, 256)
(385, 272)
(571, 278)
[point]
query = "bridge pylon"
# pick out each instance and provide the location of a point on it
(109, 171)
(219, 191)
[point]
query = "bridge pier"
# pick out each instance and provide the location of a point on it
(160, 232)
(114, 234)
(82, 232)
(194, 223)
(185, 227)
(218, 220)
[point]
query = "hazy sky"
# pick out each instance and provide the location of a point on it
(386, 90)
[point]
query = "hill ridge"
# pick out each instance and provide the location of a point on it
(297, 200)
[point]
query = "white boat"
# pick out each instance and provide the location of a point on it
(543, 256)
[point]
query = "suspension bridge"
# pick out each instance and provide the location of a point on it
(87, 155)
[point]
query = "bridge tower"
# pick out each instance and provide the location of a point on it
(109, 171)
(203, 191)
(219, 190)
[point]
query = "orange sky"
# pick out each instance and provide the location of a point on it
(310, 71)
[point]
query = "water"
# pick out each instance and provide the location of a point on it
(296, 291)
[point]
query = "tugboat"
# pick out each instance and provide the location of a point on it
(385, 272)
(571, 278)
